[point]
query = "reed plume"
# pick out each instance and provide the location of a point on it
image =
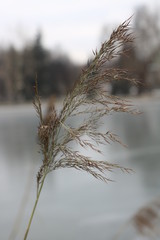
(55, 134)
(145, 221)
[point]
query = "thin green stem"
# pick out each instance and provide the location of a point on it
(34, 208)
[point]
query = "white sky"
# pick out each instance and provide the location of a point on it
(72, 26)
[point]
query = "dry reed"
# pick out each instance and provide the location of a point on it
(145, 221)
(56, 135)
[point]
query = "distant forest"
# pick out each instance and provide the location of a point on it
(18, 70)
(57, 74)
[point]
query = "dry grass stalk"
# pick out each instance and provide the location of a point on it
(146, 222)
(147, 219)
(55, 146)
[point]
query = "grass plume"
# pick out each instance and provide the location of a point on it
(55, 134)
(145, 221)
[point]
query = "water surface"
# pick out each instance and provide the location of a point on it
(74, 205)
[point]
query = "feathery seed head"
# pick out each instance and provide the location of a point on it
(56, 135)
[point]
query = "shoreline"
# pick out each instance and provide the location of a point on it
(153, 96)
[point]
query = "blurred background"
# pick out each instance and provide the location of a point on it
(55, 40)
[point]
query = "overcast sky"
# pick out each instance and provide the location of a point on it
(72, 26)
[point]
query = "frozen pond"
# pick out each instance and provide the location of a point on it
(74, 205)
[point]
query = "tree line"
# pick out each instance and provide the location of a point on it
(56, 74)
(18, 69)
